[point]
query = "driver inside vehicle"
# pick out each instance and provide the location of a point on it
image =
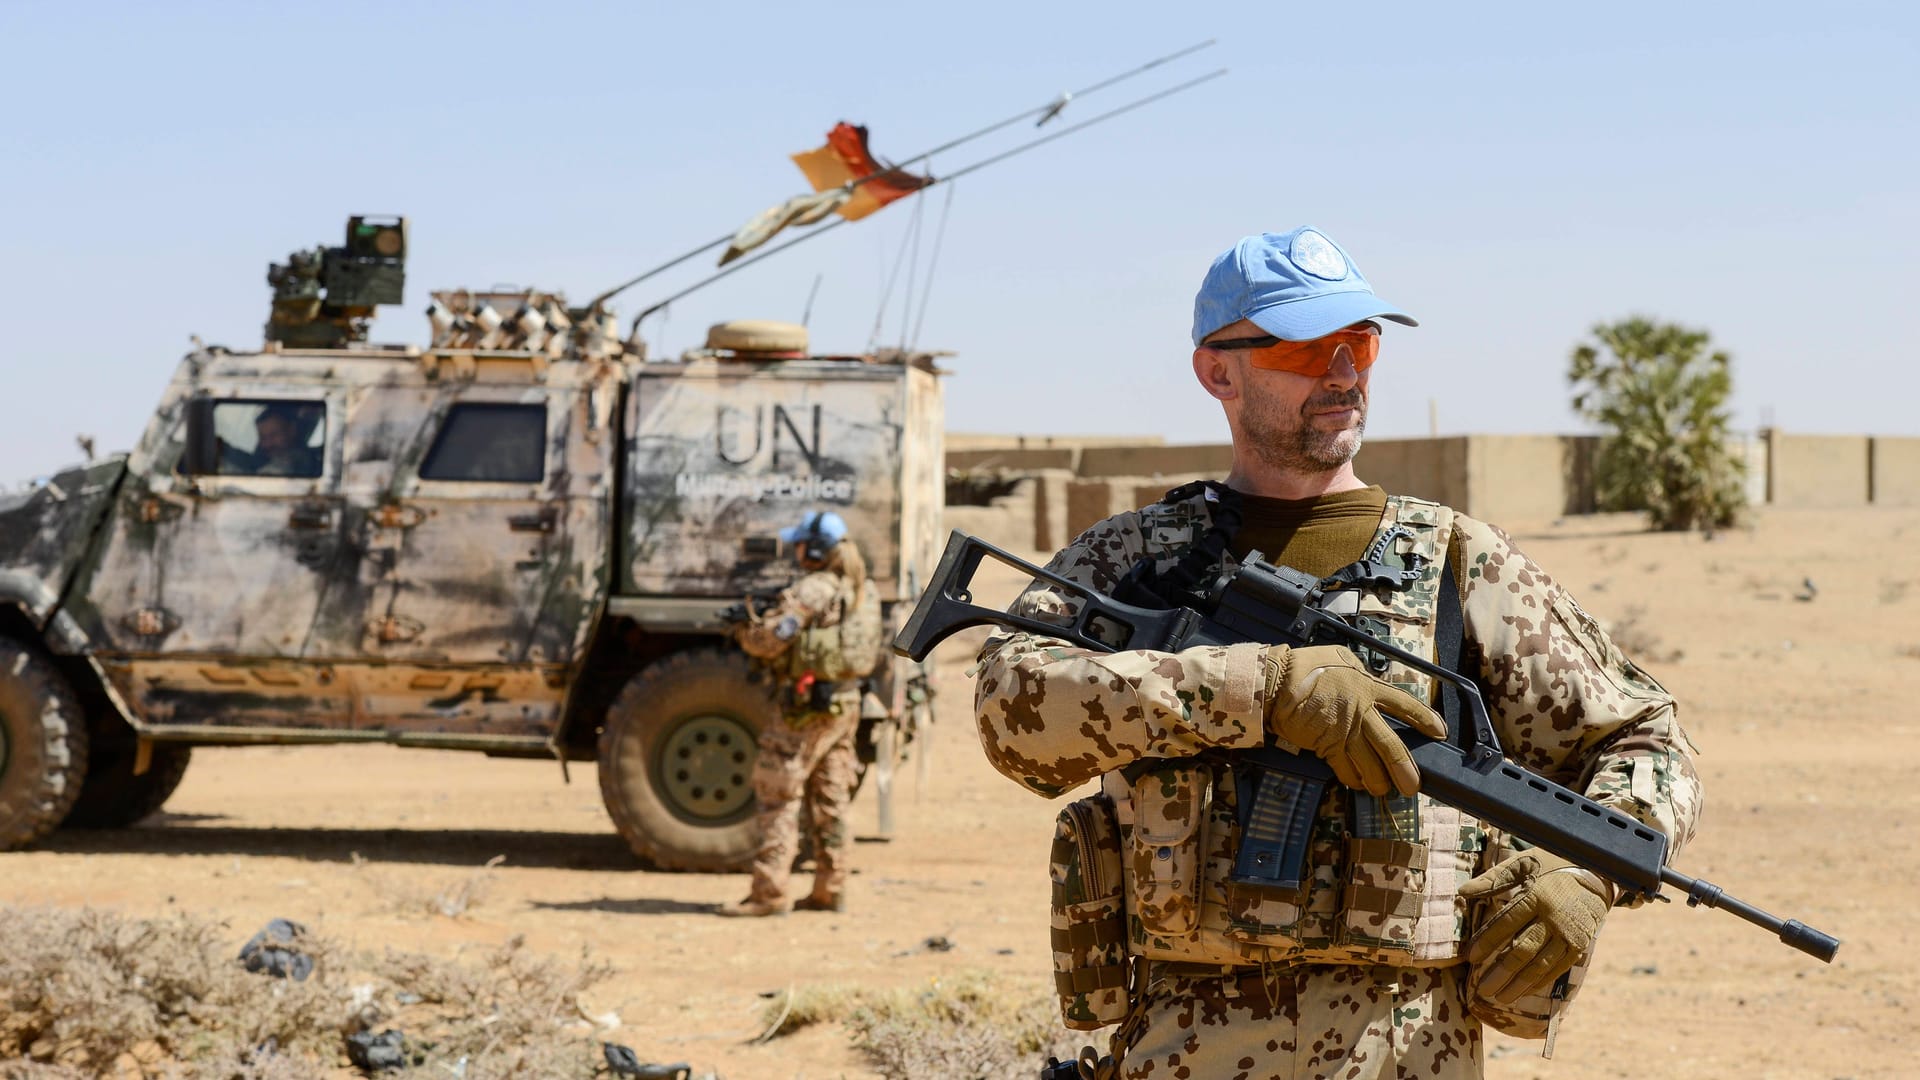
(282, 446)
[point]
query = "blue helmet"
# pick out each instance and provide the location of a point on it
(817, 534)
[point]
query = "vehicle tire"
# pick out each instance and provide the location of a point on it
(43, 745)
(112, 797)
(676, 759)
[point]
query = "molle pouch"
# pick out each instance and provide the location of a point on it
(1089, 915)
(1169, 815)
(1309, 917)
(1536, 1016)
(1386, 883)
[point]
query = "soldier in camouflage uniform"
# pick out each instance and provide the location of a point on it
(1414, 924)
(818, 639)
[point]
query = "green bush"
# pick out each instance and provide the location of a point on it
(1661, 397)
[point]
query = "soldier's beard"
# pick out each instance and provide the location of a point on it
(1293, 443)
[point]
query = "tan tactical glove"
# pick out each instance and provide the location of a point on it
(1546, 928)
(1324, 700)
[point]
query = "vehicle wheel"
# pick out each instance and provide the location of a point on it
(43, 745)
(113, 797)
(676, 759)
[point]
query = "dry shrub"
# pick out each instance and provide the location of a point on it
(968, 1026)
(512, 1015)
(89, 992)
(84, 987)
(233, 1063)
(405, 896)
(34, 1070)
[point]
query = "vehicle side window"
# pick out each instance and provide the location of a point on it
(267, 438)
(490, 442)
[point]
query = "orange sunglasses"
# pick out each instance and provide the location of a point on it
(1311, 358)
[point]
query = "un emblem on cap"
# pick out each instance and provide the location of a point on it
(1317, 256)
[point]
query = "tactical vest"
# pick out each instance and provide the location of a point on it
(1384, 873)
(844, 642)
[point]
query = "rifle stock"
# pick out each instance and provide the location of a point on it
(1278, 606)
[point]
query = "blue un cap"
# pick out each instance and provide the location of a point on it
(1295, 285)
(820, 530)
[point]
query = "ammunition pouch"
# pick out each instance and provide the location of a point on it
(1170, 807)
(1386, 881)
(1089, 915)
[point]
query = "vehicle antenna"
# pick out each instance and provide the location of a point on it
(949, 178)
(807, 314)
(1054, 106)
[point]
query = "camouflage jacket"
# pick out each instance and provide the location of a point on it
(802, 632)
(818, 600)
(1564, 701)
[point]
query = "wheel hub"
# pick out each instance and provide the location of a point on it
(706, 767)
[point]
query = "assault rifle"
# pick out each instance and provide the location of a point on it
(1276, 605)
(746, 610)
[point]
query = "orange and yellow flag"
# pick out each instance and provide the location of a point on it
(845, 159)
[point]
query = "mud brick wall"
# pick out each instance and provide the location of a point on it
(1816, 470)
(1893, 466)
(1508, 479)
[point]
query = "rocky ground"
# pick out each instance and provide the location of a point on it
(1803, 708)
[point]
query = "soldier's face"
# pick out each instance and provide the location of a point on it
(1301, 423)
(275, 435)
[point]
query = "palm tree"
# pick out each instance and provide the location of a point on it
(1662, 398)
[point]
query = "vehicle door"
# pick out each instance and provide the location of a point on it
(222, 545)
(481, 515)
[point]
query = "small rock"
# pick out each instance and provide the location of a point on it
(377, 1053)
(277, 951)
(624, 1062)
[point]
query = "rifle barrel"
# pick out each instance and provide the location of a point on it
(1700, 893)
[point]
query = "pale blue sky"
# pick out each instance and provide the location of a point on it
(1508, 173)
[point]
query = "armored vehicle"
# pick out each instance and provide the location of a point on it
(514, 540)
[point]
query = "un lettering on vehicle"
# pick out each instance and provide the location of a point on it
(722, 459)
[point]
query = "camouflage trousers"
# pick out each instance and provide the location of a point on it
(1308, 1022)
(815, 762)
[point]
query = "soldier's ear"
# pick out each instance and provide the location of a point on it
(1214, 368)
